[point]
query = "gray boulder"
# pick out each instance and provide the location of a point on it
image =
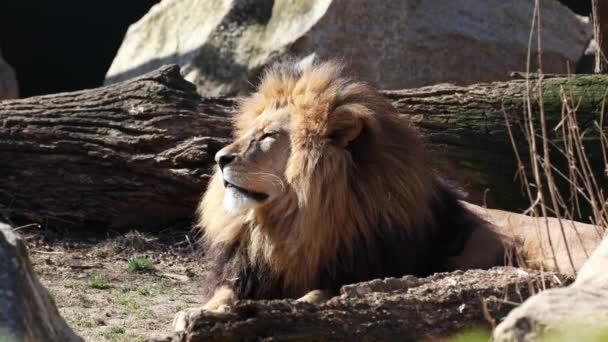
(578, 312)
(9, 88)
(27, 312)
(222, 46)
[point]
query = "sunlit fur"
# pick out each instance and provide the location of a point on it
(344, 198)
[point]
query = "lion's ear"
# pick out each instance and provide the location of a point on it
(344, 132)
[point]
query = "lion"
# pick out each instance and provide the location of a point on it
(324, 185)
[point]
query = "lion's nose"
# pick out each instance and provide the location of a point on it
(223, 158)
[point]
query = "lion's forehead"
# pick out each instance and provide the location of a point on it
(271, 119)
(307, 95)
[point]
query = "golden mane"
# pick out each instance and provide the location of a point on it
(341, 198)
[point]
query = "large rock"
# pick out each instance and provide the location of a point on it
(8, 81)
(27, 312)
(222, 45)
(578, 312)
(391, 309)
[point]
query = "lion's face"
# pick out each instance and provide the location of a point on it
(253, 166)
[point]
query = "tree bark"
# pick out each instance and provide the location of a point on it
(27, 311)
(138, 154)
(132, 155)
(599, 10)
(393, 309)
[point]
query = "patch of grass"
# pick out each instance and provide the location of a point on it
(474, 335)
(99, 281)
(565, 334)
(101, 252)
(144, 291)
(80, 319)
(179, 307)
(163, 285)
(83, 300)
(167, 289)
(149, 314)
(139, 264)
(113, 333)
(86, 324)
(135, 338)
(38, 269)
(127, 302)
(576, 331)
(190, 301)
(52, 293)
(128, 288)
(72, 317)
(107, 249)
(114, 247)
(71, 284)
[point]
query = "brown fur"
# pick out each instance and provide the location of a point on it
(360, 195)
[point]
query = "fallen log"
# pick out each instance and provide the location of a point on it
(393, 309)
(134, 155)
(27, 311)
(137, 154)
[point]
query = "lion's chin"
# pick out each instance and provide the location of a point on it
(256, 196)
(238, 200)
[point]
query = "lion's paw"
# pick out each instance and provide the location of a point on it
(315, 297)
(183, 319)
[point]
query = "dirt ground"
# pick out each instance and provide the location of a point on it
(106, 297)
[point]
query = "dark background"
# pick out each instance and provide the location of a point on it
(66, 45)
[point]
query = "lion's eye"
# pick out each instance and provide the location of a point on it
(267, 135)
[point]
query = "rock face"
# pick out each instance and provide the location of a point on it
(223, 45)
(8, 81)
(391, 309)
(577, 312)
(27, 312)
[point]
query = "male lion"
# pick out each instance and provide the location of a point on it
(326, 185)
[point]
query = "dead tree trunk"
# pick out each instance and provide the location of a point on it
(133, 155)
(600, 34)
(138, 154)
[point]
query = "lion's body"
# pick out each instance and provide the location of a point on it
(383, 253)
(357, 206)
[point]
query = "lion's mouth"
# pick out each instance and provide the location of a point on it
(258, 196)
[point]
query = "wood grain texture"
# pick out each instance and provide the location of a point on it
(133, 155)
